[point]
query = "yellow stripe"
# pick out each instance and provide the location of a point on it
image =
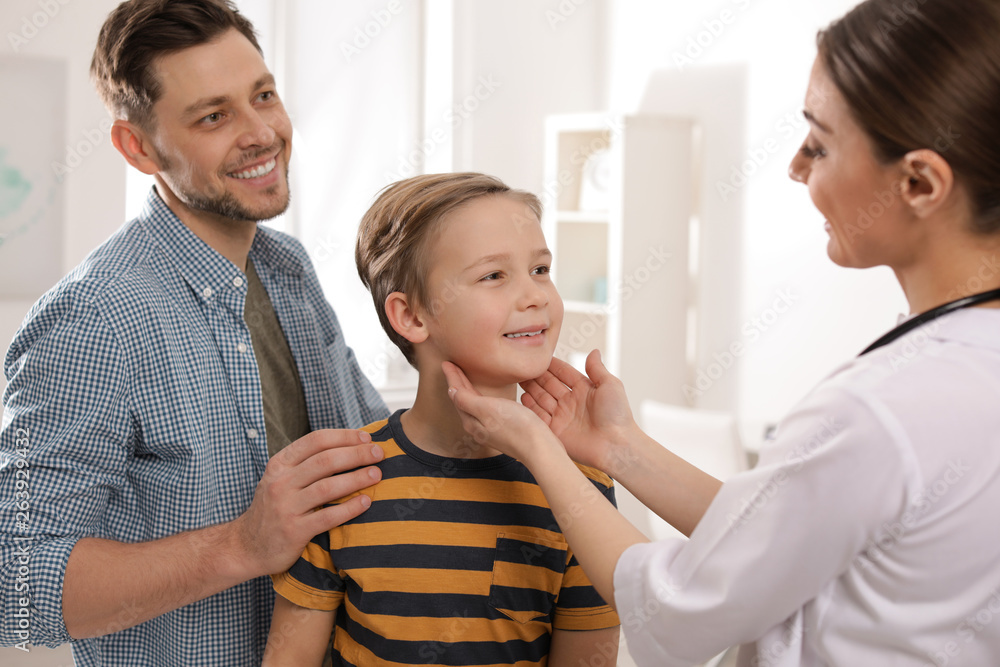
(417, 580)
(517, 575)
(439, 533)
(590, 618)
(447, 488)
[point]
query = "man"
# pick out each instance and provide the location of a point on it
(138, 508)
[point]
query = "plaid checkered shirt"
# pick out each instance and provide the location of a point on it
(134, 411)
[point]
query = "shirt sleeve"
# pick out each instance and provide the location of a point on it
(772, 538)
(63, 449)
(312, 582)
(579, 605)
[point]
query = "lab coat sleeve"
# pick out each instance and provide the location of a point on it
(772, 538)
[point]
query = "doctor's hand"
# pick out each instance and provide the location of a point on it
(589, 415)
(498, 422)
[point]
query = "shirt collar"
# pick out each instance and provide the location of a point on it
(971, 326)
(208, 273)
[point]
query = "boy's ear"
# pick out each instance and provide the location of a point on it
(134, 145)
(404, 318)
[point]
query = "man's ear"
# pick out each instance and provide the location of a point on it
(405, 318)
(134, 145)
(927, 181)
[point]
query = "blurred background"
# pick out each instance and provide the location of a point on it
(379, 90)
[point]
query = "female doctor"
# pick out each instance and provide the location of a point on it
(869, 532)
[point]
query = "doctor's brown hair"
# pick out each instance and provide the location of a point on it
(925, 74)
(395, 233)
(138, 32)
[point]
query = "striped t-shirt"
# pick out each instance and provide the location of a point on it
(457, 562)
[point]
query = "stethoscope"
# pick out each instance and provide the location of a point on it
(932, 314)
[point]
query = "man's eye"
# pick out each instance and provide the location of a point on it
(212, 118)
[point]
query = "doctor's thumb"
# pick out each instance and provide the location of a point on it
(596, 370)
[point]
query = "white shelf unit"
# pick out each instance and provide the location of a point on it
(623, 273)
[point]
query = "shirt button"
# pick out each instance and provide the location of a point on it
(241, 348)
(252, 433)
(237, 282)
(207, 292)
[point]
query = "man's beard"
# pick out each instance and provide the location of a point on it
(229, 207)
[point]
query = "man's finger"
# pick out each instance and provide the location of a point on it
(330, 517)
(328, 489)
(321, 440)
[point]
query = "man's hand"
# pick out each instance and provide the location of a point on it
(110, 586)
(313, 471)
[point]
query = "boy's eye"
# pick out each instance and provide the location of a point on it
(541, 270)
(492, 276)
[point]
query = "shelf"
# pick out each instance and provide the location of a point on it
(623, 272)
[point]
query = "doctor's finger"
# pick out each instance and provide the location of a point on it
(540, 397)
(529, 402)
(567, 375)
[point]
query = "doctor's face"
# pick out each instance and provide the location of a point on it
(221, 135)
(858, 196)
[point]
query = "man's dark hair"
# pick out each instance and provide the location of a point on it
(138, 32)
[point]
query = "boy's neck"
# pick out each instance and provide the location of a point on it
(434, 425)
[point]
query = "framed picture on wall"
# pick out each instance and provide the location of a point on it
(33, 169)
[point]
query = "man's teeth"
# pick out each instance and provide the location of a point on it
(257, 171)
(520, 335)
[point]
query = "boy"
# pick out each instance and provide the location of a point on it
(459, 560)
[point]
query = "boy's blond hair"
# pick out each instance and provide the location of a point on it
(391, 252)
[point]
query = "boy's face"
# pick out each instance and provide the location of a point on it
(222, 136)
(491, 306)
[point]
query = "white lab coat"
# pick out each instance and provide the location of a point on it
(868, 534)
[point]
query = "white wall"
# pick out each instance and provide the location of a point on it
(95, 190)
(834, 313)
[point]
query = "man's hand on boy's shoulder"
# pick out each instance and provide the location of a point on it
(310, 473)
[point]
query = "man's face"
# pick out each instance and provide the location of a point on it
(221, 135)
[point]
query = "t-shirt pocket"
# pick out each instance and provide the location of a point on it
(527, 577)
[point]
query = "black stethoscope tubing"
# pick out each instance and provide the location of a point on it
(932, 314)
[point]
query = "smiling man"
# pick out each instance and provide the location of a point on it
(142, 493)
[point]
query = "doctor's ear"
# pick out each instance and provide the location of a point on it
(405, 318)
(927, 181)
(134, 145)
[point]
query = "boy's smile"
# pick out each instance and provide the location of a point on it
(492, 308)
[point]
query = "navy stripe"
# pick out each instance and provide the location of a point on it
(459, 511)
(445, 650)
(580, 597)
(511, 550)
(419, 605)
(315, 577)
(415, 556)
